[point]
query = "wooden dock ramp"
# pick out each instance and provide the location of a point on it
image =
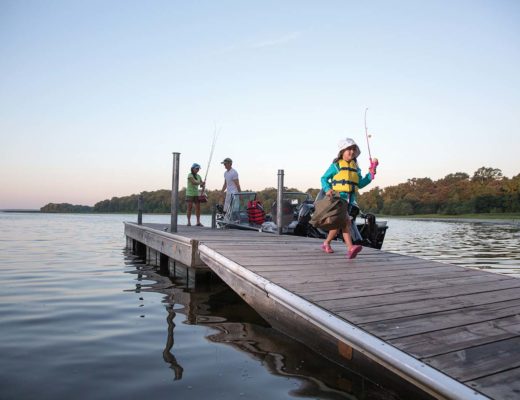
(450, 331)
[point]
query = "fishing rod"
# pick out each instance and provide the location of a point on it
(373, 161)
(215, 135)
(366, 134)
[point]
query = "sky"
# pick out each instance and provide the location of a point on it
(95, 96)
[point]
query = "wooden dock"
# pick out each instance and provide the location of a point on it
(449, 331)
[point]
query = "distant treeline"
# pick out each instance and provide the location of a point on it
(159, 201)
(65, 208)
(487, 191)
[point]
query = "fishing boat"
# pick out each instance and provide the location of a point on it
(245, 212)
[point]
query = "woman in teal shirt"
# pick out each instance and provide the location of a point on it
(192, 193)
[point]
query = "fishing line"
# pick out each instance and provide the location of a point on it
(216, 132)
(366, 134)
(374, 162)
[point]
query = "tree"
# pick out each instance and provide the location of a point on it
(454, 178)
(372, 201)
(485, 174)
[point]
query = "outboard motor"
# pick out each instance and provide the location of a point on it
(304, 216)
(372, 228)
(287, 212)
(353, 211)
(305, 213)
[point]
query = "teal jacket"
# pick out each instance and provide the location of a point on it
(326, 180)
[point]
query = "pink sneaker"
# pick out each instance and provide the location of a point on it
(353, 251)
(326, 248)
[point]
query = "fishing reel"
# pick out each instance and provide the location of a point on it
(374, 162)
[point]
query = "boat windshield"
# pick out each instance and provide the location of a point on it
(296, 199)
(238, 208)
(291, 204)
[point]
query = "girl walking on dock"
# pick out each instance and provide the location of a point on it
(344, 178)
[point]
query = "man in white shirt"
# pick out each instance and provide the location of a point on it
(231, 183)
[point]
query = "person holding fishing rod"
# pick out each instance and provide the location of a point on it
(344, 177)
(194, 181)
(192, 193)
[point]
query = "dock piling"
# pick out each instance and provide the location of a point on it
(175, 192)
(140, 209)
(279, 199)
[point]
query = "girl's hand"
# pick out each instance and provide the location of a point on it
(330, 193)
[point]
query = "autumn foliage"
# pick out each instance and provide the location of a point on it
(487, 191)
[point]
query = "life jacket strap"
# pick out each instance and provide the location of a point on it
(344, 182)
(348, 169)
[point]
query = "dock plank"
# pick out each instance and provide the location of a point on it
(479, 361)
(358, 273)
(461, 337)
(366, 300)
(328, 290)
(421, 306)
(369, 281)
(398, 327)
(504, 385)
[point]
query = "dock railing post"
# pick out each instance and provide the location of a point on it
(140, 209)
(279, 198)
(175, 192)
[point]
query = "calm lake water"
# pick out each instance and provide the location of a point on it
(83, 318)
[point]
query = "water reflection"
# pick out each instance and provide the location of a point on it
(167, 354)
(236, 324)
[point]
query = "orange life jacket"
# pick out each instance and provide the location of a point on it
(255, 212)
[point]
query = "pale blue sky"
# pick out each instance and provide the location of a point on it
(96, 95)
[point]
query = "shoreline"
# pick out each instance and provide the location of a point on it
(494, 221)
